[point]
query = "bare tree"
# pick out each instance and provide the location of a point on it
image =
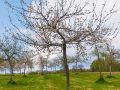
(54, 64)
(40, 62)
(1, 63)
(10, 49)
(30, 64)
(47, 57)
(5, 66)
(19, 67)
(111, 55)
(98, 52)
(26, 59)
(78, 58)
(61, 24)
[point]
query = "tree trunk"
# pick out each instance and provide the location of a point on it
(100, 68)
(31, 70)
(11, 73)
(76, 67)
(20, 70)
(11, 81)
(41, 67)
(51, 69)
(110, 66)
(66, 67)
(110, 70)
(5, 71)
(46, 66)
(55, 68)
(24, 70)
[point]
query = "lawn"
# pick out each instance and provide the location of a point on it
(81, 81)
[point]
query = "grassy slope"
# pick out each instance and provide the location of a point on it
(82, 81)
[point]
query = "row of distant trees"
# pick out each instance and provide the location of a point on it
(105, 66)
(15, 57)
(20, 59)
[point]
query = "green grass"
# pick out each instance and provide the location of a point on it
(81, 81)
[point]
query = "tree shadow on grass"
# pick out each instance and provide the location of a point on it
(46, 77)
(24, 76)
(22, 84)
(101, 81)
(108, 76)
(4, 75)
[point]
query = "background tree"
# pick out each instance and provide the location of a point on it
(111, 57)
(105, 66)
(41, 63)
(10, 49)
(30, 64)
(19, 65)
(98, 52)
(26, 59)
(1, 63)
(77, 60)
(54, 64)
